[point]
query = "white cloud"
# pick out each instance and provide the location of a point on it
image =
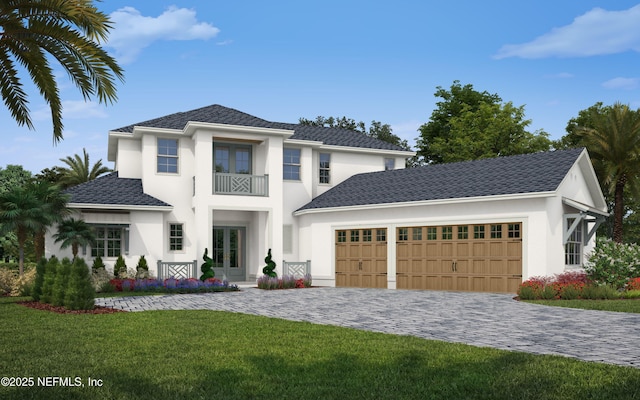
(621, 83)
(596, 32)
(72, 109)
(133, 31)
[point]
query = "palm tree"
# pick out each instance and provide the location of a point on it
(74, 232)
(70, 32)
(613, 142)
(79, 169)
(54, 210)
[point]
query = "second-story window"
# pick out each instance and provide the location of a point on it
(168, 156)
(389, 164)
(325, 168)
(291, 158)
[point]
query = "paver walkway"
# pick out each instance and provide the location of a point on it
(480, 319)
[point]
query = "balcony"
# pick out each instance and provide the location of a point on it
(240, 184)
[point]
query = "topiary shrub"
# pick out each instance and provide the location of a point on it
(120, 268)
(142, 269)
(80, 294)
(207, 267)
(61, 282)
(50, 270)
(269, 269)
(36, 291)
(97, 265)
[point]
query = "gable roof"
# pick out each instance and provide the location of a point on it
(218, 114)
(528, 173)
(111, 190)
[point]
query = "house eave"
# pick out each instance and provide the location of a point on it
(191, 127)
(462, 200)
(125, 207)
(400, 153)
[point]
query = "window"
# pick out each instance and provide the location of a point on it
(176, 237)
(109, 241)
(478, 232)
(291, 164)
(403, 234)
(417, 234)
(432, 233)
(389, 164)
(366, 235)
(325, 164)
(168, 156)
(573, 248)
(496, 231)
(381, 235)
(232, 158)
(447, 232)
(514, 231)
(463, 232)
(342, 236)
(355, 236)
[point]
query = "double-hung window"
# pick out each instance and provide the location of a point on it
(168, 156)
(291, 166)
(573, 248)
(176, 237)
(109, 241)
(325, 168)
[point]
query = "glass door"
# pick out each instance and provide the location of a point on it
(229, 247)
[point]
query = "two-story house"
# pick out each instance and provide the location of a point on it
(236, 185)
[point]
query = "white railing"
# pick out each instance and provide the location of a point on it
(177, 269)
(296, 268)
(241, 184)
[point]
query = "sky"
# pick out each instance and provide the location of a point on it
(382, 61)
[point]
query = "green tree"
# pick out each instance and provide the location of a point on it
(80, 170)
(376, 130)
(74, 232)
(54, 210)
(80, 294)
(32, 32)
(52, 175)
(613, 142)
(13, 176)
(468, 125)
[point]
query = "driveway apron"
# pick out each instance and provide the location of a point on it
(479, 319)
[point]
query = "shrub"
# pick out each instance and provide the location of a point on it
(600, 292)
(286, 282)
(613, 263)
(23, 285)
(7, 277)
(630, 294)
(80, 294)
(99, 278)
(36, 291)
(633, 284)
(531, 289)
(306, 280)
(207, 267)
(61, 282)
(572, 277)
(548, 292)
(142, 269)
(570, 291)
(269, 269)
(120, 268)
(98, 265)
(49, 279)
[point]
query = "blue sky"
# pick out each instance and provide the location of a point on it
(366, 60)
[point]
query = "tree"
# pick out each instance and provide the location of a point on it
(468, 125)
(613, 142)
(376, 130)
(74, 232)
(52, 175)
(80, 170)
(68, 31)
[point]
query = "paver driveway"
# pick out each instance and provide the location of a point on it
(480, 319)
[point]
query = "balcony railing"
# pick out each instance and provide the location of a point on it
(241, 184)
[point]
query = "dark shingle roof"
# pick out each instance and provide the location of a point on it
(223, 115)
(529, 173)
(112, 190)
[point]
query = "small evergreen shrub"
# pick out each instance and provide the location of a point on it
(142, 269)
(97, 265)
(269, 269)
(80, 294)
(120, 268)
(36, 291)
(49, 279)
(23, 285)
(207, 267)
(61, 282)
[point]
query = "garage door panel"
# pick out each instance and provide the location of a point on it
(486, 258)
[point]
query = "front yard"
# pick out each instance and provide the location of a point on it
(210, 354)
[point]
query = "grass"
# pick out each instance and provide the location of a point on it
(628, 306)
(212, 354)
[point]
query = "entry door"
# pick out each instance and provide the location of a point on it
(229, 247)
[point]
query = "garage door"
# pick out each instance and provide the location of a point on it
(361, 258)
(479, 258)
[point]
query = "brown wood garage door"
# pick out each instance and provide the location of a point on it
(361, 258)
(479, 258)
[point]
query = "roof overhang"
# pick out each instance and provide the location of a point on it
(123, 207)
(399, 153)
(584, 208)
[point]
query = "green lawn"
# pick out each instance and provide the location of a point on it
(220, 355)
(629, 306)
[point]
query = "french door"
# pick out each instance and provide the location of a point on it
(229, 248)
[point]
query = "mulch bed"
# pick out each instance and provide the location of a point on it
(62, 310)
